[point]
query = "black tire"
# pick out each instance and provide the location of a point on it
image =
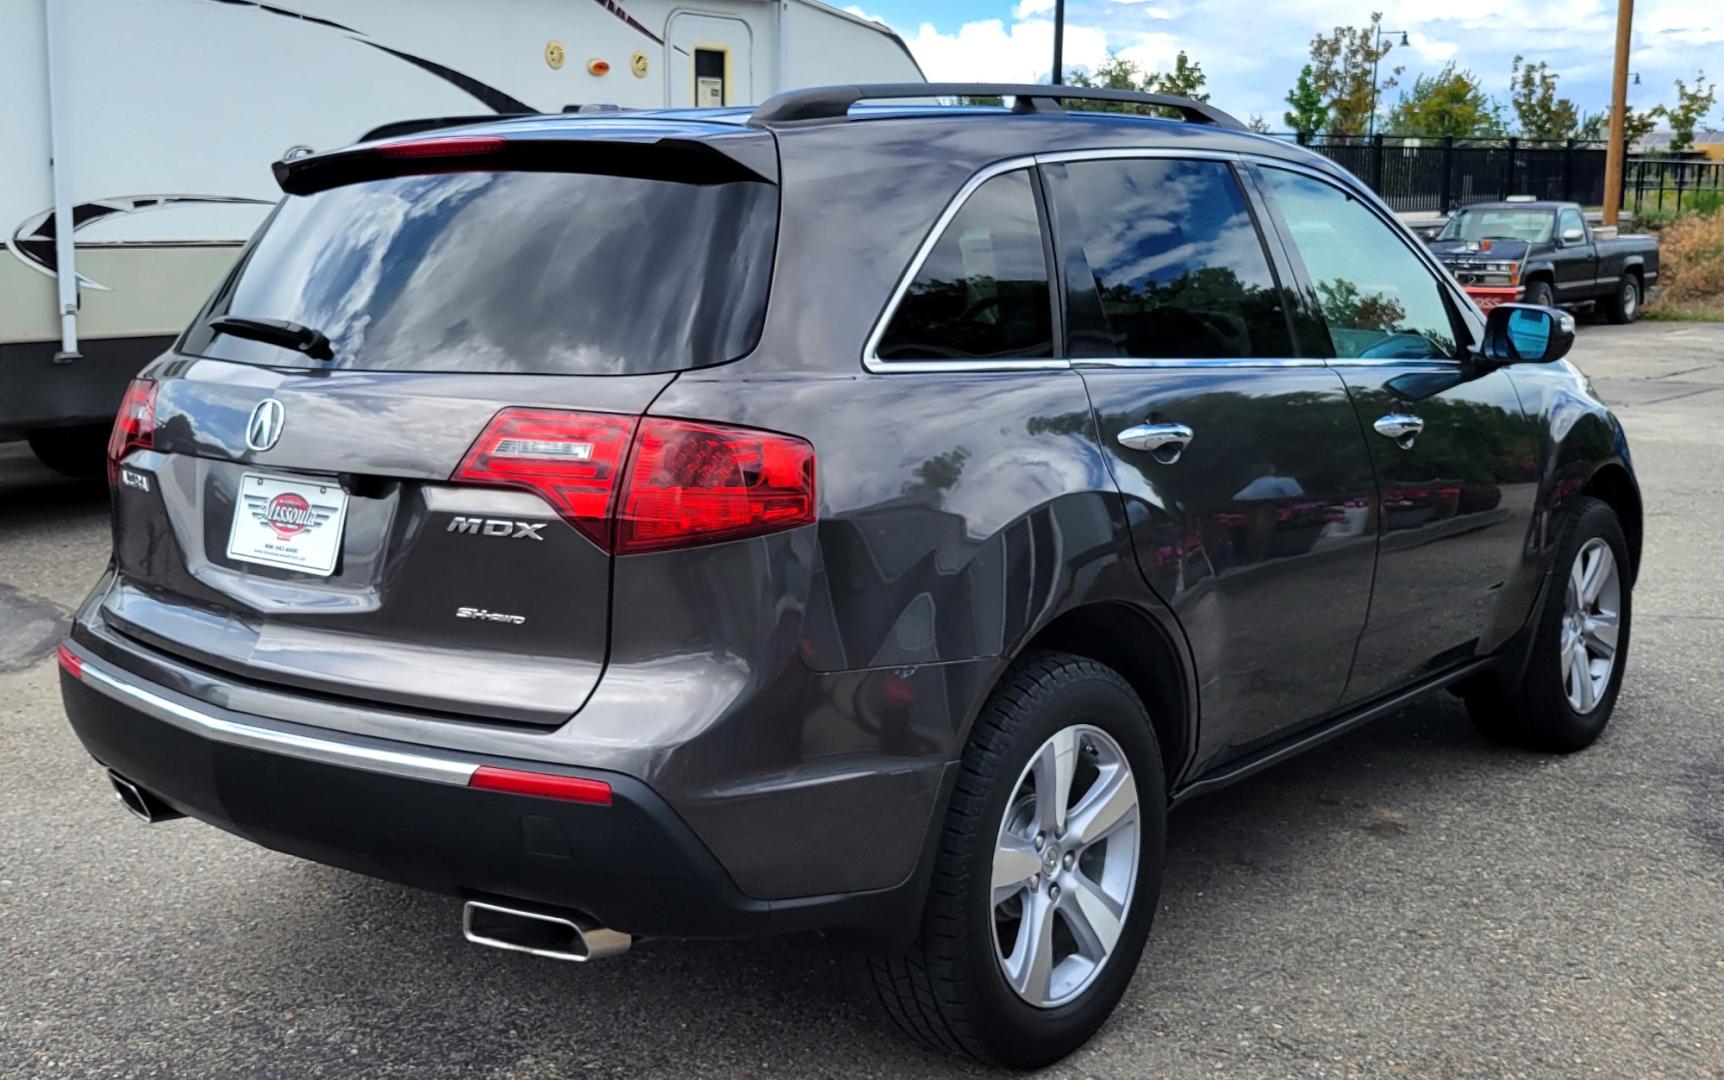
(1539, 292)
(75, 451)
(1624, 307)
(1536, 713)
(947, 990)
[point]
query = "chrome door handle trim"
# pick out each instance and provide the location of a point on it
(1165, 441)
(1401, 428)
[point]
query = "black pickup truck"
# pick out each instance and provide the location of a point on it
(1546, 253)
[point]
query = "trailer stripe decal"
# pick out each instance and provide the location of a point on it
(491, 97)
(289, 14)
(617, 9)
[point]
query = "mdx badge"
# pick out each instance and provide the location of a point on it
(264, 428)
(504, 527)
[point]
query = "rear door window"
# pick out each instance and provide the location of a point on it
(982, 293)
(1176, 263)
(522, 272)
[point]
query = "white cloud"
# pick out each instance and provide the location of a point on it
(990, 51)
(1027, 8)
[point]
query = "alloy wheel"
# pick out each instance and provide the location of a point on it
(1065, 866)
(1592, 613)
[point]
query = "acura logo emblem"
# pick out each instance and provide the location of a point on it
(264, 428)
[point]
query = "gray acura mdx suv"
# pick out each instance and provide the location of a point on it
(737, 522)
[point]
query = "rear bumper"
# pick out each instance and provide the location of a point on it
(1489, 297)
(406, 814)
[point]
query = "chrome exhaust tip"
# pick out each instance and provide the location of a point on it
(144, 806)
(560, 936)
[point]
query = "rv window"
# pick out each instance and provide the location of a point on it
(529, 272)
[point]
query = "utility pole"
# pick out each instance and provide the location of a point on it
(1616, 154)
(1377, 54)
(1059, 41)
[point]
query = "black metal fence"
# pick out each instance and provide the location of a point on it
(1442, 174)
(1658, 185)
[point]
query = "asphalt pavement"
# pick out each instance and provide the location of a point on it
(1406, 901)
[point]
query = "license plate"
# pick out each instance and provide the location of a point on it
(289, 523)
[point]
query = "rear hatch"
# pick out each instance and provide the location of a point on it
(378, 464)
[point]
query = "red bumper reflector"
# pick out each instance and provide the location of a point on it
(544, 785)
(71, 665)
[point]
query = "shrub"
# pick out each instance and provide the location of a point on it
(1691, 258)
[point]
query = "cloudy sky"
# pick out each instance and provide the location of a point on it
(1252, 50)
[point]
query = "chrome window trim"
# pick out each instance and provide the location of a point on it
(1338, 178)
(206, 723)
(870, 358)
(1195, 362)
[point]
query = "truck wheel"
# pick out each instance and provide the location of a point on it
(1624, 307)
(1047, 875)
(75, 451)
(1579, 646)
(1540, 292)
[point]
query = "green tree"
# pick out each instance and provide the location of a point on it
(1690, 109)
(1542, 115)
(1450, 102)
(1635, 125)
(1119, 73)
(1307, 113)
(1256, 123)
(1342, 63)
(1114, 73)
(1185, 80)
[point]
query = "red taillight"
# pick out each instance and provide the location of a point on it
(134, 424)
(571, 460)
(455, 146)
(70, 663)
(700, 483)
(685, 483)
(544, 785)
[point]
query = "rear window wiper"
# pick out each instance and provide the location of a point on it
(313, 343)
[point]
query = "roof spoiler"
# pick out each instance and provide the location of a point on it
(731, 159)
(822, 103)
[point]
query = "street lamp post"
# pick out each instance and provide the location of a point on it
(1059, 41)
(1376, 54)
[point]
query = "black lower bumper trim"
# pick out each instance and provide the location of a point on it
(633, 865)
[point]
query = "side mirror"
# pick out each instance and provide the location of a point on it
(1527, 334)
(1573, 236)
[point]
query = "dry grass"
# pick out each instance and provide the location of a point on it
(1691, 261)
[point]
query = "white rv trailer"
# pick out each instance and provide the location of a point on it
(138, 137)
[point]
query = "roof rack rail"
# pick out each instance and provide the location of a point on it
(833, 102)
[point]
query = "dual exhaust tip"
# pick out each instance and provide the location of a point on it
(557, 935)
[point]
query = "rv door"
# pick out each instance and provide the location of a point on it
(710, 61)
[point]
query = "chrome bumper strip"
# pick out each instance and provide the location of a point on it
(206, 722)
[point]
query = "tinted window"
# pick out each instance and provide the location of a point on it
(983, 291)
(1379, 299)
(1177, 263)
(511, 272)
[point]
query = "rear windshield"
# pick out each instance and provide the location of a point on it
(521, 272)
(1533, 226)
